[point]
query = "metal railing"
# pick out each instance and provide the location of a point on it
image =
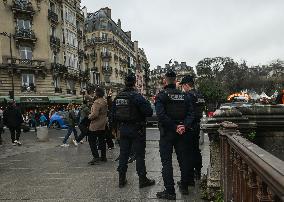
(24, 7)
(248, 173)
(26, 34)
(52, 16)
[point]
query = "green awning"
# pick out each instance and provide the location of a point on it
(34, 99)
(7, 98)
(65, 100)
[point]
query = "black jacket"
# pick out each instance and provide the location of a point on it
(142, 104)
(12, 117)
(164, 120)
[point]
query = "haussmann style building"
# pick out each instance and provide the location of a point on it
(111, 54)
(47, 49)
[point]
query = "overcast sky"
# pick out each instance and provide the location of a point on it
(190, 30)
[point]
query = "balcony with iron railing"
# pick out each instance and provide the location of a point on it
(99, 40)
(107, 70)
(21, 7)
(94, 69)
(84, 75)
(58, 68)
(26, 35)
(106, 55)
(28, 65)
(93, 56)
(54, 42)
(81, 54)
(28, 88)
(79, 33)
(52, 16)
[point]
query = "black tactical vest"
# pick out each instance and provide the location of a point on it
(175, 104)
(199, 104)
(126, 110)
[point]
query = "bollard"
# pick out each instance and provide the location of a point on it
(42, 134)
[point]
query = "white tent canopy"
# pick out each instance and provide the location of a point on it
(254, 96)
(263, 95)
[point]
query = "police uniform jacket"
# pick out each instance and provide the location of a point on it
(164, 120)
(144, 106)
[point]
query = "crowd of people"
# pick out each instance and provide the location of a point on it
(179, 111)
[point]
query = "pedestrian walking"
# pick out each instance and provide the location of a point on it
(98, 117)
(84, 122)
(1, 125)
(188, 87)
(13, 119)
(175, 116)
(71, 119)
(42, 120)
(130, 110)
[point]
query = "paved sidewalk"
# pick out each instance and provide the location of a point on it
(46, 172)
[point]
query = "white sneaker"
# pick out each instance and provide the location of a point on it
(75, 143)
(18, 142)
(64, 145)
(82, 142)
(14, 144)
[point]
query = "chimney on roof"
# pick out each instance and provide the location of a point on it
(119, 23)
(128, 34)
(107, 10)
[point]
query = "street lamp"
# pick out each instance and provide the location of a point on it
(10, 36)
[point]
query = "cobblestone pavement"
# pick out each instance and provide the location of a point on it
(47, 172)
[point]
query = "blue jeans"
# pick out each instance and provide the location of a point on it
(69, 132)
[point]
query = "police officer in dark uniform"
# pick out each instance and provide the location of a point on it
(130, 110)
(175, 116)
(188, 86)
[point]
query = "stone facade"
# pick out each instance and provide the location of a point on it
(157, 75)
(111, 54)
(47, 48)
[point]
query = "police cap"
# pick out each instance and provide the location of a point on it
(187, 79)
(170, 74)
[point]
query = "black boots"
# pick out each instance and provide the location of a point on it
(145, 182)
(166, 195)
(183, 188)
(122, 180)
(94, 161)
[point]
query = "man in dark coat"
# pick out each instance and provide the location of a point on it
(130, 110)
(13, 119)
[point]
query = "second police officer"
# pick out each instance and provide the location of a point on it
(129, 111)
(175, 113)
(187, 84)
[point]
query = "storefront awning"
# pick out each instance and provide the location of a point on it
(34, 99)
(65, 100)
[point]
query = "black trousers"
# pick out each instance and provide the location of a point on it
(94, 137)
(109, 141)
(169, 141)
(132, 137)
(81, 136)
(15, 133)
